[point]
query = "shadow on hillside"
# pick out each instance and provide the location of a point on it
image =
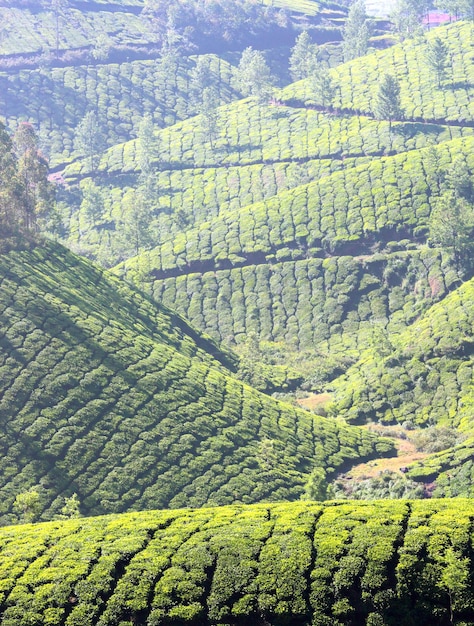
(459, 85)
(411, 129)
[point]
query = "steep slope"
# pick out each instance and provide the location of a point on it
(108, 395)
(300, 564)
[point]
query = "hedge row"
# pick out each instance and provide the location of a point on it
(371, 564)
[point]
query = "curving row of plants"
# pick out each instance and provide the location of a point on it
(306, 563)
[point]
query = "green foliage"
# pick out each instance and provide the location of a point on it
(317, 487)
(303, 57)
(387, 104)
(26, 196)
(27, 506)
(370, 562)
(253, 77)
(438, 59)
(89, 140)
(356, 32)
(106, 393)
(451, 226)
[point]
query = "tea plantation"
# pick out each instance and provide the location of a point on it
(326, 564)
(128, 407)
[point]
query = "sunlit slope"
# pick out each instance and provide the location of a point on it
(258, 152)
(263, 268)
(328, 564)
(250, 133)
(421, 97)
(105, 394)
(354, 207)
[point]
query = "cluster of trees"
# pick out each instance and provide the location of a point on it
(26, 195)
(187, 22)
(368, 563)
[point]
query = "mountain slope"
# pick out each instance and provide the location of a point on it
(106, 394)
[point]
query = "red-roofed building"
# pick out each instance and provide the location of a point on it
(435, 18)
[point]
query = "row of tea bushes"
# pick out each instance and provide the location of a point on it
(310, 302)
(248, 133)
(181, 199)
(370, 563)
(105, 394)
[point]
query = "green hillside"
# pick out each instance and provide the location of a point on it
(55, 100)
(422, 377)
(335, 564)
(108, 395)
(421, 97)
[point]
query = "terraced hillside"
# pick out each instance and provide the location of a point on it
(334, 564)
(108, 395)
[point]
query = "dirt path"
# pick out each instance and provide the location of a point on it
(406, 454)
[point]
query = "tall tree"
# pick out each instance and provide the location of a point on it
(407, 16)
(59, 9)
(148, 155)
(201, 77)
(209, 115)
(356, 33)
(458, 8)
(451, 227)
(11, 187)
(322, 86)
(92, 200)
(136, 224)
(437, 58)
(303, 57)
(32, 170)
(253, 76)
(89, 139)
(387, 103)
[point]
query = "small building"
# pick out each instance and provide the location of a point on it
(435, 19)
